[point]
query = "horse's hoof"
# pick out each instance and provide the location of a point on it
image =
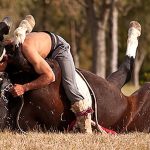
(136, 25)
(30, 20)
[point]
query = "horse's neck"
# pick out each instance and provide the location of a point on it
(19, 63)
(20, 70)
(123, 74)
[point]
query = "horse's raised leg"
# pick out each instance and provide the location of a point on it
(123, 74)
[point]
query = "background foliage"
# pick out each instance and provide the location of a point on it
(61, 16)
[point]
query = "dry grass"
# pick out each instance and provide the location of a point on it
(55, 141)
(128, 89)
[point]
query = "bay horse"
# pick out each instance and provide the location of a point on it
(49, 108)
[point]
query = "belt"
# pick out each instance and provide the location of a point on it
(54, 39)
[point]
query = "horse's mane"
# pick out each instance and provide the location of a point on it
(19, 68)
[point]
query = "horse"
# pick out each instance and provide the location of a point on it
(49, 109)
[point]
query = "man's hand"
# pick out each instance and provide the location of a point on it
(18, 90)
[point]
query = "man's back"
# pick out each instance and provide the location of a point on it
(37, 41)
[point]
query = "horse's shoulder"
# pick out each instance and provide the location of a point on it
(55, 67)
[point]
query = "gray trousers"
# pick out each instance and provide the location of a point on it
(64, 58)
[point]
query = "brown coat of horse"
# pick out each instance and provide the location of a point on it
(49, 107)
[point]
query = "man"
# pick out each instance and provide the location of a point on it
(37, 46)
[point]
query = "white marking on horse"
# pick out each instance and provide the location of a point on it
(83, 89)
(132, 42)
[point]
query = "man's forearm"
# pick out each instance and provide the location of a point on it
(40, 82)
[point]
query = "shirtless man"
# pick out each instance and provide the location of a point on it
(36, 46)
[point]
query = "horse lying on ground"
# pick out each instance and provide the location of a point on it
(49, 108)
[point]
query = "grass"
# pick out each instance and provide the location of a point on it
(128, 89)
(55, 141)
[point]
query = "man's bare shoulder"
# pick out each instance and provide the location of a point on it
(37, 41)
(36, 38)
(37, 35)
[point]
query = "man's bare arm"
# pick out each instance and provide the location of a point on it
(42, 68)
(40, 82)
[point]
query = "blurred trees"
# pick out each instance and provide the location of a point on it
(97, 17)
(95, 29)
(114, 35)
(137, 10)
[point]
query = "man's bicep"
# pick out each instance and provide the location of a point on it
(32, 57)
(42, 67)
(35, 60)
(39, 63)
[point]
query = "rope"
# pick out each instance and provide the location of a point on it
(18, 115)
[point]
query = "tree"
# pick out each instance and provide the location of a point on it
(114, 36)
(98, 24)
(138, 10)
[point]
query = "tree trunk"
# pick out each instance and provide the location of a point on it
(114, 37)
(99, 56)
(138, 63)
(98, 32)
(44, 12)
(73, 44)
